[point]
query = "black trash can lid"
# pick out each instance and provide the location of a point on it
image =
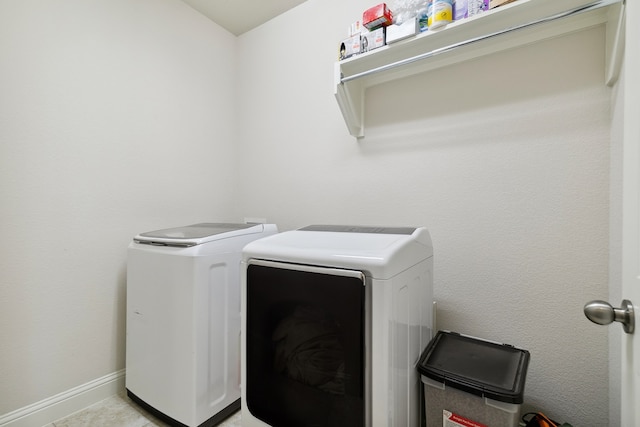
(484, 368)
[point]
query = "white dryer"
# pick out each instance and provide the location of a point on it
(334, 320)
(183, 320)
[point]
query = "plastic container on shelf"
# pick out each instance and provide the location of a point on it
(439, 13)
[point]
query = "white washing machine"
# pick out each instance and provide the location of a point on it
(183, 320)
(334, 320)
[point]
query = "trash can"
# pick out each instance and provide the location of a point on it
(469, 381)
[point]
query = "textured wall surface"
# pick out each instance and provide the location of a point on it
(119, 117)
(505, 159)
(116, 118)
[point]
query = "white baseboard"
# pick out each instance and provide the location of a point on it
(59, 406)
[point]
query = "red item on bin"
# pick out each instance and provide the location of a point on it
(377, 16)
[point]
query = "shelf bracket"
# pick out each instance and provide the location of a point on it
(615, 43)
(350, 97)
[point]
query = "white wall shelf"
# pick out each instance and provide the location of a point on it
(515, 24)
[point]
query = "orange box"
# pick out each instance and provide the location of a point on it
(377, 16)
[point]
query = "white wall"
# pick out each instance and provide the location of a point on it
(116, 117)
(505, 159)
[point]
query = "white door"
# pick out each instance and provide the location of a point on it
(629, 355)
(630, 383)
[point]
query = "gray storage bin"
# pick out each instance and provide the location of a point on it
(469, 381)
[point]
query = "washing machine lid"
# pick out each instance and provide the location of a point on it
(196, 234)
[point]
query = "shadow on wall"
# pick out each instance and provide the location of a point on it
(120, 316)
(534, 120)
(490, 96)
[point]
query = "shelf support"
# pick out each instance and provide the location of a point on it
(615, 43)
(350, 97)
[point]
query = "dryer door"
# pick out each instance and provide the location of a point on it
(305, 348)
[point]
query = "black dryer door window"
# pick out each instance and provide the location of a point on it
(305, 333)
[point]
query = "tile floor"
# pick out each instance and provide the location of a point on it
(120, 411)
